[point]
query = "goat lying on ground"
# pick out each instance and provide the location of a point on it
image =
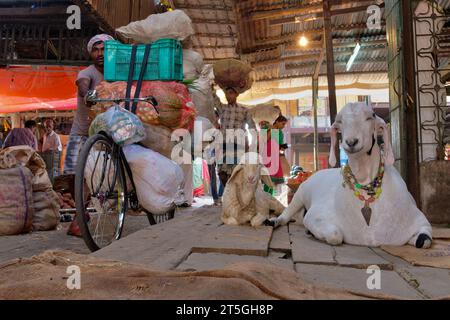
(244, 199)
(363, 204)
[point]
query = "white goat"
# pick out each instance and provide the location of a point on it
(244, 199)
(334, 213)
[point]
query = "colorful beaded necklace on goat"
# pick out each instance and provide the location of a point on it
(373, 189)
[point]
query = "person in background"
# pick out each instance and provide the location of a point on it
(87, 80)
(231, 116)
(51, 140)
(275, 134)
(23, 136)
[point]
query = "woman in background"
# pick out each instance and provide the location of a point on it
(275, 136)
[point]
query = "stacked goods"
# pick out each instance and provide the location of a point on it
(16, 201)
(232, 73)
(298, 176)
(175, 106)
(46, 207)
(173, 24)
(66, 201)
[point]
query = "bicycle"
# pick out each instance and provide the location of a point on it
(107, 194)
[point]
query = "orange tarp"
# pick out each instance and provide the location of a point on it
(29, 88)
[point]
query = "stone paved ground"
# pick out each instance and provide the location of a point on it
(197, 240)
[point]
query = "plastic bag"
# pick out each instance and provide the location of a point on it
(158, 180)
(232, 73)
(202, 94)
(121, 125)
(173, 24)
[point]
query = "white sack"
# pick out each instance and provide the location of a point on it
(202, 94)
(158, 180)
(174, 25)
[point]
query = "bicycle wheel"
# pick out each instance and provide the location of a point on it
(100, 192)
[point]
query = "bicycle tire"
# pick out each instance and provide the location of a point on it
(82, 217)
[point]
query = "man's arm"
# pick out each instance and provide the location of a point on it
(83, 85)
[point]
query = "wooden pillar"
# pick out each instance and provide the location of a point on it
(330, 66)
(315, 96)
(410, 102)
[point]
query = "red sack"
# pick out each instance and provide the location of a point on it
(175, 106)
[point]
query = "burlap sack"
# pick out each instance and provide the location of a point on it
(232, 73)
(44, 277)
(158, 139)
(16, 201)
(28, 157)
(46, 211)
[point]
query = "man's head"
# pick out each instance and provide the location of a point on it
(49, 125)
(96, 47)
(31, 124)
(231, 95)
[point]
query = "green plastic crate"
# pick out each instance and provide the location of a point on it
(165, 61)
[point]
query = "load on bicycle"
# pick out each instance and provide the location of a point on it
(151, 88)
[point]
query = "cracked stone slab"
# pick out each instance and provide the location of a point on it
(280, 240)
(306, 249)
(164, 246)
(356, 280)
(241, 240)
(431, 282)
(214, 261)
(359, 257)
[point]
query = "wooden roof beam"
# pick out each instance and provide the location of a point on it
(311, 12)
(336, 63)
(269, 14)
(216, 7)
(310, 32)
(320, 75)
(213, 21)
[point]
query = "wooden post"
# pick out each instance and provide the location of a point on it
(410, 101)
(315, 96)
(330, 66)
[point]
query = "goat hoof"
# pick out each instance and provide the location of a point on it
(269, 223)
(423, 241)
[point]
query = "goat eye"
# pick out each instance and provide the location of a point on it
(368, 119)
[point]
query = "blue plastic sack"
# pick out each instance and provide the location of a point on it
(122, 126)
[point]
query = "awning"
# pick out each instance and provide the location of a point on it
(30, 88)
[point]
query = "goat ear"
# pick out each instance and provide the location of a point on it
(389, 158)
(265, 177)
(236, 172)
(334, 131)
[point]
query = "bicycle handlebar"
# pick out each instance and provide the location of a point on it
(93, 99)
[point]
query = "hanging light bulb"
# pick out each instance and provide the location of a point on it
(303, 42)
